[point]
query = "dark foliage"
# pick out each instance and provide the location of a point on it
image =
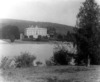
(9, 31)
(25, 36)
(39, 63)
(31, 38)
(51, 31)
(39, 38)
(45, 37)
(49, 62)
(12, 38)
(88, 33)
(69, 37)
(61, 57)
(25, 60)
(60, 37)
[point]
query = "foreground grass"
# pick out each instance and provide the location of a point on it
(52, 74)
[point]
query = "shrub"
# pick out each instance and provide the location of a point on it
(45, 37)
(38, 63)
(7, 62)
(62, 57)
(39, 38)
(49, 62)
(3, 62)
(26, 39)
(25, 60)
(31, 37)
(25, 36)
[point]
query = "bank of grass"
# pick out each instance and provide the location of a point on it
(53, 74)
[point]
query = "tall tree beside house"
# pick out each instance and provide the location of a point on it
(51, 31)
(10, 32)
(88, 33)
(60, 37)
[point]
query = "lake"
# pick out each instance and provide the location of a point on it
(42, 51)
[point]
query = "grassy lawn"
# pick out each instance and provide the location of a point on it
(52, 74)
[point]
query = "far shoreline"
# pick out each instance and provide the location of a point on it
(7, 41)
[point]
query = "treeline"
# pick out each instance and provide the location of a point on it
(13, 32)
(60, 37)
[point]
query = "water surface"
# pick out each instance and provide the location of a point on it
(41, 51)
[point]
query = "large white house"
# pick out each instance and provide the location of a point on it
(35, 31)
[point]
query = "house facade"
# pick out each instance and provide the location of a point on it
(35, 31)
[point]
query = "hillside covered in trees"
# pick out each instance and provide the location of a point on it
(22, 24)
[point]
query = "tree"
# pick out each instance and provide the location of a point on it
(39, 38)
(51, 31)
(9, 31)
(69, 37)
(88, 33)
(12, 38)
(60, 37)
(61, 57)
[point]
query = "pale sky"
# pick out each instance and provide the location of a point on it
(56, 11)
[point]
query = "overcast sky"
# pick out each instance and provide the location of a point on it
(56, 11)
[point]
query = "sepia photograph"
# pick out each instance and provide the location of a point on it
(49, 40)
